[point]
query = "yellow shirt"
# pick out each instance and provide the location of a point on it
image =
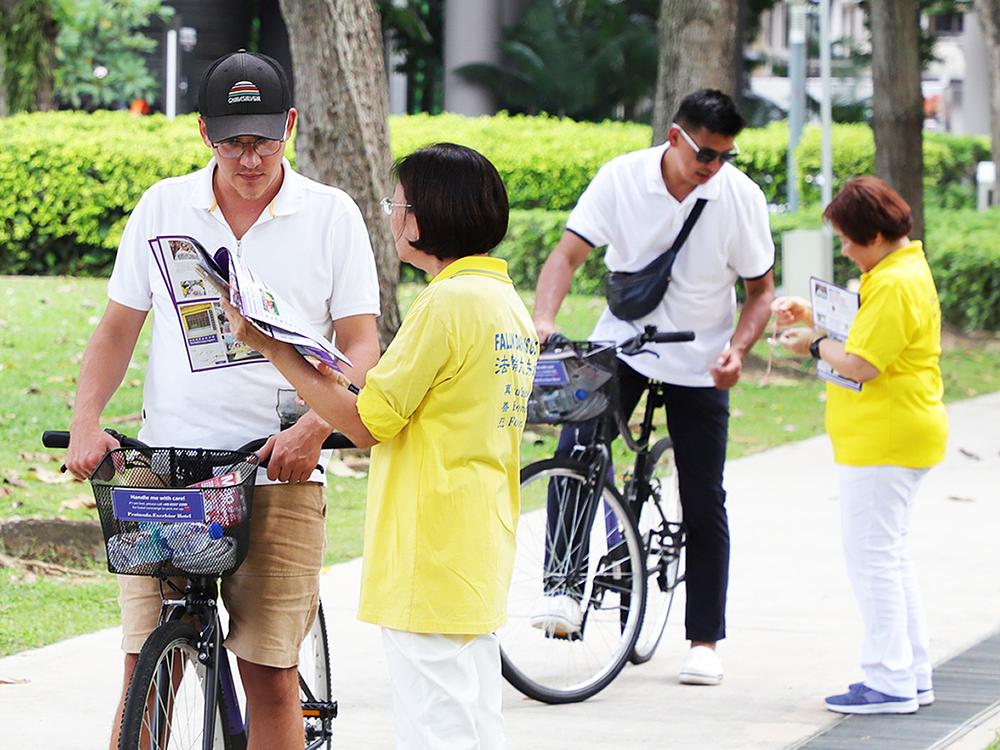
(897, 418)
(447, 403)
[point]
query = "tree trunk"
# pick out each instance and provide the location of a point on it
(3, 66)
(700, 47)
(898, 103)
(989, 18)
(48, 30)
(343, 102)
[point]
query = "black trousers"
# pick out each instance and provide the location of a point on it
(698, 422)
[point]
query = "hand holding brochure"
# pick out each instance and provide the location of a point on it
(833, 310)
(263, 307)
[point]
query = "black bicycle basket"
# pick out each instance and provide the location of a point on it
(175, 511)
(574, 383)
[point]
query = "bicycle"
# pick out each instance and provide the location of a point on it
(593, 556)
(182, 694)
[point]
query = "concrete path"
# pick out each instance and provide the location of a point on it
(794, 631)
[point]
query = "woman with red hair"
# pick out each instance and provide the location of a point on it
(885, 436)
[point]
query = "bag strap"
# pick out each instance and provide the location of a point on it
(689, 223)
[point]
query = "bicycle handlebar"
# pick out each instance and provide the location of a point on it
(60, 439)
(649, 335)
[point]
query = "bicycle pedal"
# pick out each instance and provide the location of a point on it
(319, 709)
(576, 636)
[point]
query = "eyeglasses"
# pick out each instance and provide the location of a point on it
(387, 204)
(234, 149)
(708, 155)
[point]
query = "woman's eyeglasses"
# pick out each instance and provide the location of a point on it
(708, 155)
(387, 205)
(234, 149)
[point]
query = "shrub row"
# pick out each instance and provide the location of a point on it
(69, 179)
(963, 248)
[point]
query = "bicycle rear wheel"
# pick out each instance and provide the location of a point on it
(165, 703)
(662, 534)
(315, 687)
(568, 541)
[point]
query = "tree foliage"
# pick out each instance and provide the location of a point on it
(100, 52)
(585, 59)
(28, 31)
(416, 28)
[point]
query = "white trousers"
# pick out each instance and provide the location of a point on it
(876, 505)
(446, 690)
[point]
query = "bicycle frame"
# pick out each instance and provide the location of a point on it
(597, 456)
(200, 600)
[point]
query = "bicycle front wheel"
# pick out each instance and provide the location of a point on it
(662, 533)
(165, 703)
(571, 544)
(315, 687)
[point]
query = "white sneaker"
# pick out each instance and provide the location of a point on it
(557, 614)
(702, 666)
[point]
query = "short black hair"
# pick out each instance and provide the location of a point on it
(712, 110)
(457, 197)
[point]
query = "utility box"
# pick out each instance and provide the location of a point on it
(986, 185)
(805, 253)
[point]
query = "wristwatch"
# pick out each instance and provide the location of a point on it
(814, 347)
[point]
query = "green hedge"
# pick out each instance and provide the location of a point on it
(69, 179)
(963, 249)
(949, 163)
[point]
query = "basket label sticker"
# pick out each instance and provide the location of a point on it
(550, 372)
(138, 504)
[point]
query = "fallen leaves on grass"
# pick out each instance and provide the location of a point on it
(80, 501)
(10, 476)
(339, 468)
(29, 456)
(45, 476)
(34, 568)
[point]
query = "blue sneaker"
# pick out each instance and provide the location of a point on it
(925, 697)
(863, 700)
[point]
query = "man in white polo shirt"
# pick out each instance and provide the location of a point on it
(203, 389)
(636, 205)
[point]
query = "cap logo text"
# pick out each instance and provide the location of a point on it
(244, 91)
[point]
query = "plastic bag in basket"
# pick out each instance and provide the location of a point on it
(569, 387)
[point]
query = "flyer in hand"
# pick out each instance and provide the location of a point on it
(262, 306)
(833, 309)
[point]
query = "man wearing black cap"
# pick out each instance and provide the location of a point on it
(308, 242)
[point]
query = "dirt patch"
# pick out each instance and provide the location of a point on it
(68, 543)
(953, 338)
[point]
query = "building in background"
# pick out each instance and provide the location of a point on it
(956, 85)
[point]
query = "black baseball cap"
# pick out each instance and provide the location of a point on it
(244, 93)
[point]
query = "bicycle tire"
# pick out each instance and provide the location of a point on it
(659, 520)
(555, 669)
(315, 684)
(169, 643)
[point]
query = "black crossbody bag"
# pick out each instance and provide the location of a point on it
(632, 295)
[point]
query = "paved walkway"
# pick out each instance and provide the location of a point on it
(794, 629)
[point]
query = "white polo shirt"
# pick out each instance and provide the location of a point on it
(202, 388)
(628, 208)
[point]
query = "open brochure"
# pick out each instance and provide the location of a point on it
(833, 310)
(197, 278)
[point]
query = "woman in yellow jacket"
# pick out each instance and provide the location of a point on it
(885, 436)
(444, 409)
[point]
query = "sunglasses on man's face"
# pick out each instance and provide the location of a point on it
(708, 155)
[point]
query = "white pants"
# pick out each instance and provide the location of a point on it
(876, 505)
(446, 690)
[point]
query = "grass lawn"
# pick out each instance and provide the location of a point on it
(44, 327)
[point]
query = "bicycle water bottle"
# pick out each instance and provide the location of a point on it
(189, 538)
(200, 548)
(132, 549)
